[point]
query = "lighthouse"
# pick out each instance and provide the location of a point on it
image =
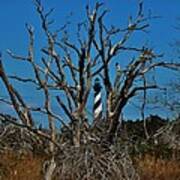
(97, 101)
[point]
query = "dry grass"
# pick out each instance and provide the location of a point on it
(27, 167)
(151, 168)
(20, 166)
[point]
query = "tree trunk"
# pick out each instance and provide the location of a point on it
(50, 169)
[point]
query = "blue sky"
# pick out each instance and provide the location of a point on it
(14, 14)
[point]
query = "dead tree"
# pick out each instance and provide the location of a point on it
(71, 67)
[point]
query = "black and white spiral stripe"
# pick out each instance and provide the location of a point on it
(97, 101)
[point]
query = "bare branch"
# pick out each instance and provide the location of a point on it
(12, 120)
